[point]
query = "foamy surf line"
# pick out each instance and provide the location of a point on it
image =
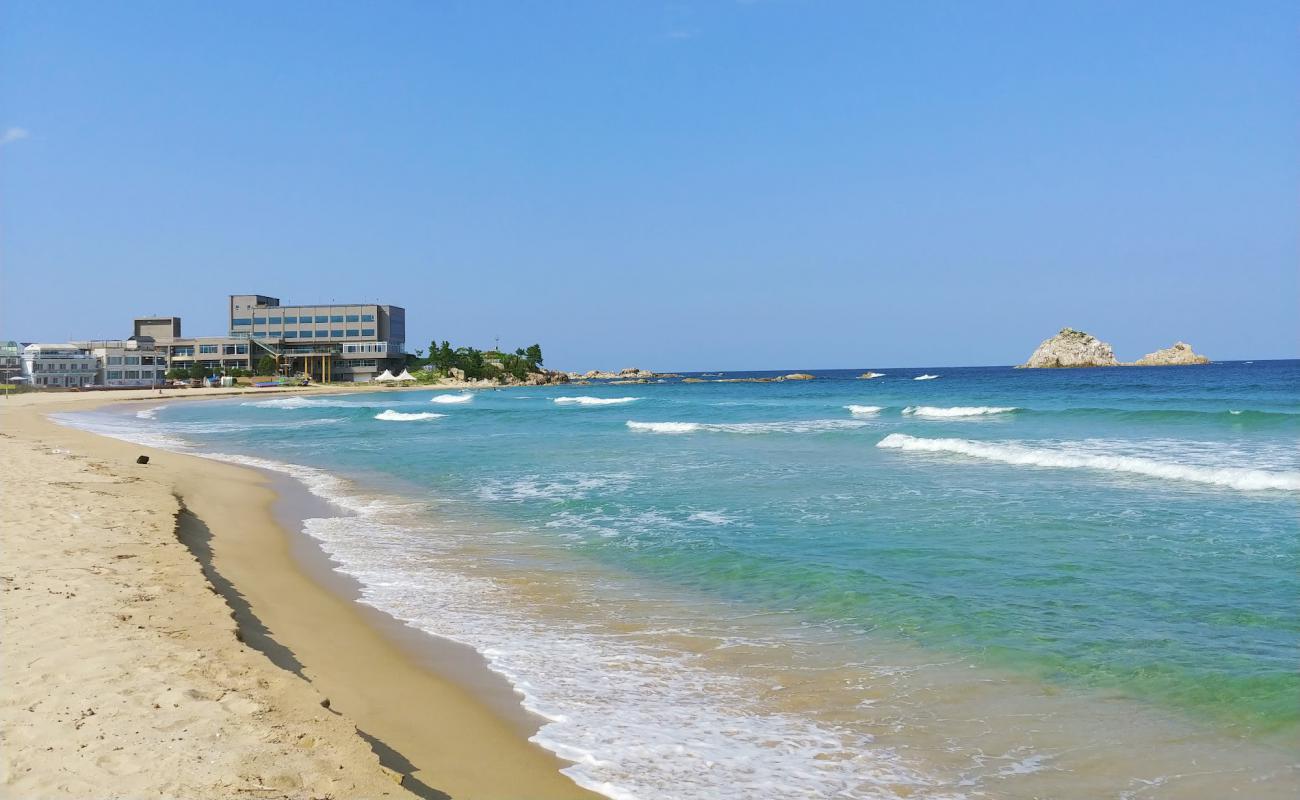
(399, 416)
(624, 735)
(864, 411)
(449, 399)
(939, 412)
(595, 401)
(792, 426)
(1246, 480)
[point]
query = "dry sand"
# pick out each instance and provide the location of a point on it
(160, 639)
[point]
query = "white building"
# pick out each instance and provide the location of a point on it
(60, 365)
(128, 362)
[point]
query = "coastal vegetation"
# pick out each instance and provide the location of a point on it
(470, 363)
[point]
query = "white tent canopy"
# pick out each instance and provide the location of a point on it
(385, 376)
(405, 376)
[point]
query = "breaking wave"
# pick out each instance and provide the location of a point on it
(792, 426)
(449, 399)
(297, 401)
(957, 411)
(864, 411)
(400, 416)
(595, 401)
(1019, 455)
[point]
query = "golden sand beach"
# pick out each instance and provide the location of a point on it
(162, 638)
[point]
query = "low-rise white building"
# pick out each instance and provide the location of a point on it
(59, 365)
(137, 361)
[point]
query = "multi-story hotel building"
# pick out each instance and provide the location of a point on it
(334, 342)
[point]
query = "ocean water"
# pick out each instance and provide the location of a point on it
(984, 583)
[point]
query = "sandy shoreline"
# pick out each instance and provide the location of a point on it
(106, 610)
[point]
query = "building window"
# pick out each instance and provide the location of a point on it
(353, 332)
(146, 360)
(133, 360)
(115, 359)
(320, 318)
(132, 373)
(337, 333)
(290, 320)
(259, 320)
(238, 321)
(207, 348)
(336, 318)
(291, 334)
(367, 317)
(367, 331)
(115, 374)
(353, 318)
(259, 335)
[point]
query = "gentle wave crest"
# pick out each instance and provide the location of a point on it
(1020, 455)
(595, 401)
(401, 416)
(297, 401)
(864, 411)
(149, 413)
(792, 426)
(449, 399)
(957, 411)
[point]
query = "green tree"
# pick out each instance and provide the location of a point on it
(266, 365)
(534, 355)
(198, 372)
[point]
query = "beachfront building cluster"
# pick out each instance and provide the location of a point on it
(333, 342)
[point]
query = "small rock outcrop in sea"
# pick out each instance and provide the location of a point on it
(1071, 348)
(1179, 353)
(800, 376)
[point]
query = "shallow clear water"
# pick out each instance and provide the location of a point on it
(776, 585)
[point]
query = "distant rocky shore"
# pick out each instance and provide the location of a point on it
(1074, 348)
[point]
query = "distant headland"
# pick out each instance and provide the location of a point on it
(1074, 348)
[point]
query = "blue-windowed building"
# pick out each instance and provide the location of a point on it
(329, 342)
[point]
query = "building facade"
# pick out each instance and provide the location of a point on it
(11, 361)
(59, 366)
(335, 342)
(135, 362)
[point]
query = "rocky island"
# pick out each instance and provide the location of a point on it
(1071, 348)
(1179, 353)
(1074, 348)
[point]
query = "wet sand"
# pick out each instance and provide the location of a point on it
(428, 710)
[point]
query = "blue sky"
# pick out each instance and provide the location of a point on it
(676, 186)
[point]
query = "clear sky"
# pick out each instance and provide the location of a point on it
(724, 185)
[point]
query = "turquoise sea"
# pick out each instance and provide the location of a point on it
(988, 583)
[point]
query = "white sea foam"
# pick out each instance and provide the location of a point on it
(925, 377)
(464, 397)
(939, 412)
(149, 413)
(595, 401)
(711, 518)
(399, 416)
(791, 426)
(1232, 477)
(116, 427)
(864, 411)
(298, 401)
